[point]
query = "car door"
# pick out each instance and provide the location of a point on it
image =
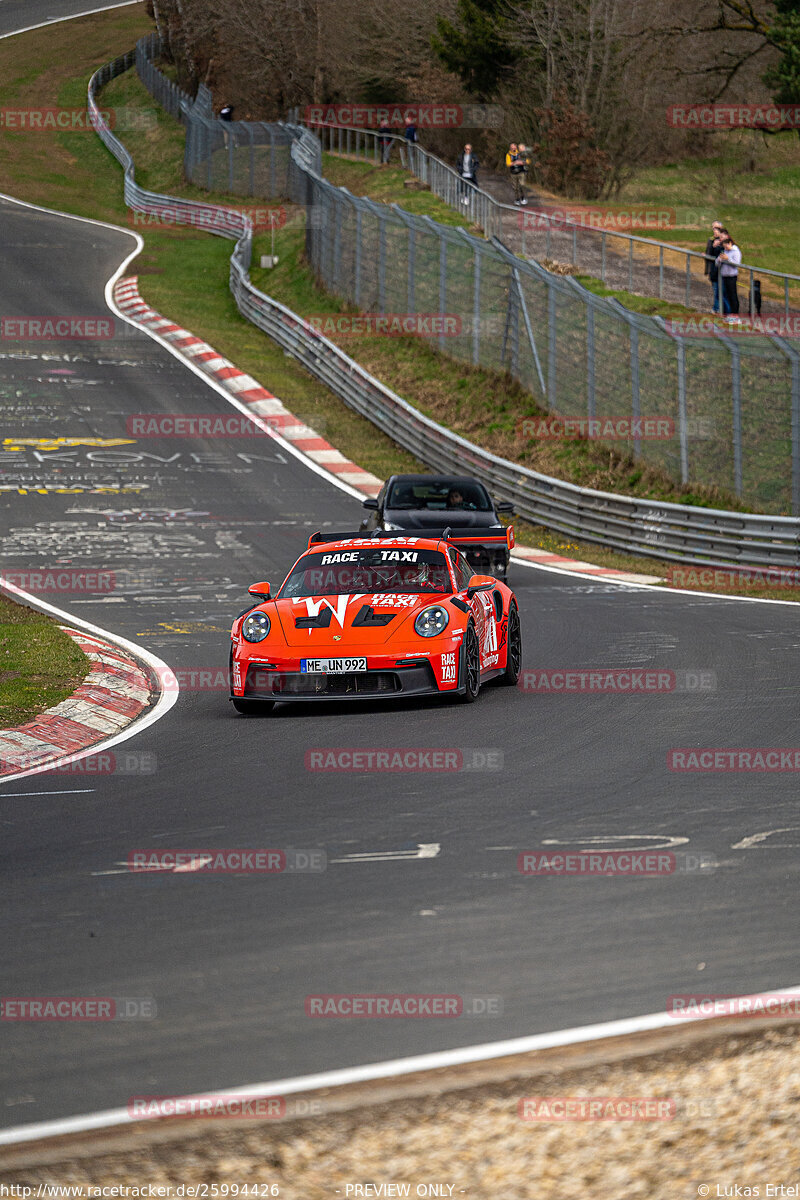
(482, 607)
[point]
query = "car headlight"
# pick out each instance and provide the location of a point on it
(255, 627)
(431, 621)
(389, 525)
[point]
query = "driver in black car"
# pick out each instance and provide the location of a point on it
(455, 498)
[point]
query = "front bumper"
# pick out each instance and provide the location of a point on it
(387, 677)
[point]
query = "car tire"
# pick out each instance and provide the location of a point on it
(514, 648)
(252, 708)
(471, 666)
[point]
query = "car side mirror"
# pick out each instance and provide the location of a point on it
(478, 587)
(505, 506)
(370, 502)
(259, 589)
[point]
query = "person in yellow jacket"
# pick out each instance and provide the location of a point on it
(517, 166)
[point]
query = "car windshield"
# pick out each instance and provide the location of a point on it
(377, 569)
(440, 494)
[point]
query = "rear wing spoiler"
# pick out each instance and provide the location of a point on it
(492, 539)
(454, 539)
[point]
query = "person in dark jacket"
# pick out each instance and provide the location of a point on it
(467, 167)
(713, 251)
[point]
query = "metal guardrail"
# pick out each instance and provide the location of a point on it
(547, 235)
(581, 355)
(655, 529)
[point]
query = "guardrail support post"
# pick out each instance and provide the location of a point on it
(357, 297)
(337, 245)
(552, 367)
(476, 309)
(590, 361)
(442, 285)
(794, 356)
(272, 164)
(529, 330)
(230, 139)
(736, 375)
(636, 411)
(683, 430)
(381, 263)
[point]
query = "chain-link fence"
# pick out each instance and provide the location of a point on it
(716, 409)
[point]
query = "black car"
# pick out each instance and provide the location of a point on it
(432, 503)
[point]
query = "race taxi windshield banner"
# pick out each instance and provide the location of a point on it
(369, 568)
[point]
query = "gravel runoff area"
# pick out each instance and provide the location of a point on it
(726, 1115)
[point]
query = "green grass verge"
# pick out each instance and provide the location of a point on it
(184, 274)
(39, 664)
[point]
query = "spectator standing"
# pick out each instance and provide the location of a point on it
(729, 271)
(226, 112)
(467, 167)
(385, 141)
(515, 169)
(713, 251)
(411, 131)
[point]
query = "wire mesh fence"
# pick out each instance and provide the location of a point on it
(573, 235)
(718, 409)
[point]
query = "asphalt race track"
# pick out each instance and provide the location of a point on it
(186, 525)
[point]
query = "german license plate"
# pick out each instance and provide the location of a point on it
(332, 666)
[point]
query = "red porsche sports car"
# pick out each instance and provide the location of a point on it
(375, 617)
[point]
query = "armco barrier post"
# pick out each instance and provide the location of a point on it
(793, 355)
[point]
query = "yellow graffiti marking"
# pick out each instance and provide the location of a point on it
(61, 443)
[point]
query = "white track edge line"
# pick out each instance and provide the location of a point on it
(650, 587)
(388, 1069)
(168, 684)
(307, 462)
(168, 689)
(70, 17)
(370, 1071)
(243, 408)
